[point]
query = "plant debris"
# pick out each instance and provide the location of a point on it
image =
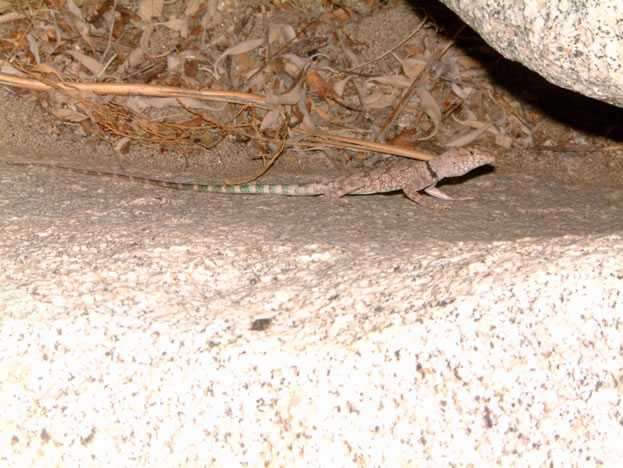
(188, 74)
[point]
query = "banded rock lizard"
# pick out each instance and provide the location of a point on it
(409, 176)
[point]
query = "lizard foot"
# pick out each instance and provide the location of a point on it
(336, 200)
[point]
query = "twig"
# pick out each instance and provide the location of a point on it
(418, 81)
(137, 89)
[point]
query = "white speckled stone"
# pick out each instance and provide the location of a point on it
(492, 362)
(576, 45)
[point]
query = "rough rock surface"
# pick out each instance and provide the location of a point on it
(159, 327)
(576, 45)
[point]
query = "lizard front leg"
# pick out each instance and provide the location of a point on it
(412, 191)
(435, 192)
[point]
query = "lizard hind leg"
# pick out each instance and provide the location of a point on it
(343, 186)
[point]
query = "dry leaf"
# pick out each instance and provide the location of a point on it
(397, 81)
(412, 49)
(461, 91)
(83, 28)
(33, 46)
(402, 139)
(13, 16)
(324, 114)
(241, 65)
(339, 86)
(90, 63)
(46, 69)
(293, 96)
(293, 63)
(379, 100)
(273, 119)
(193, 6)
(148, 30)
(136, 57)
(149, 9)
(429, 105)
(73, 8)
(212, 16)
(319, 84)
(67, 115)
(122, 145)
(282, 33)
(179, 25)
(413, 66)
(468, 137)
(10, 69)
(245, 46)
(139, 103)
(341, 14)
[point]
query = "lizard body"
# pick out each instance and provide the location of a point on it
(409, 176)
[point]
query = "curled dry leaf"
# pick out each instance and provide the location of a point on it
(245, 46)
(468, 137)
(430, 106)
(379, 100)
(397, 81)
(290, 98)
(293, 63)
(339, 86)
(461, 91)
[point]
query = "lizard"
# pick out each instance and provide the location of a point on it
(409, 176)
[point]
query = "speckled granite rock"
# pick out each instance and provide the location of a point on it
(576, 45)
(140, 326)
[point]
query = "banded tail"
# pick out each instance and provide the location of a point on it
(278, 189)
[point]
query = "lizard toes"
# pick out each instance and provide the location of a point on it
(336, 200)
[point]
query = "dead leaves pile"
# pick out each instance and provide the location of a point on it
(183, 74)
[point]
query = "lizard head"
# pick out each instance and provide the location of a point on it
(459, 161)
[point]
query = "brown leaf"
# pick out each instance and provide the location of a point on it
(403, 139)
(320, 85)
